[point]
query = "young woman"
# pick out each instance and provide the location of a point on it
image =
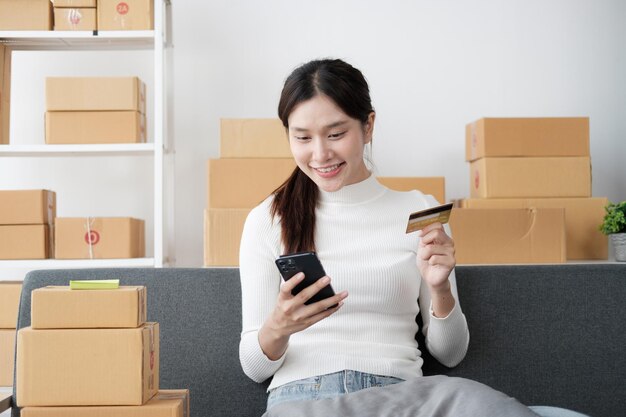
(364, 336)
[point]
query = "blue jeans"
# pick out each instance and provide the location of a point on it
(327, 386)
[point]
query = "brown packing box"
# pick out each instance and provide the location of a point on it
(25, 15)
(27, 207)
(166, 403)
(492, 236)
(222, 235)
(29, 241)
(126, 15)
(582, 218)
(253, 138)
(7, 356)
(545, 136)
(65, 367)
(5, 93)
(65, 127)
(435, 186)
(62, 308)
(75, 19)
(244, 183)
(95, 94)
(75, 3)
(530, 177)
(99, 238)
(10, 292)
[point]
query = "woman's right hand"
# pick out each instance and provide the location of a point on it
(291, 315)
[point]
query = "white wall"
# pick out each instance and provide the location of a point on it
(433, 66)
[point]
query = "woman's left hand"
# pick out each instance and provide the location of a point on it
(435, 256)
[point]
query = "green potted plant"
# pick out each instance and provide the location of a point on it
(614, 225)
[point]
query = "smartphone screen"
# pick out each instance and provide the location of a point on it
(309, 264)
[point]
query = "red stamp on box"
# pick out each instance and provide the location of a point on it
(476, 179)
(122, 8)
(92, 237)
(152, 359)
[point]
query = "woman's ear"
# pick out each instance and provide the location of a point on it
(369, 127)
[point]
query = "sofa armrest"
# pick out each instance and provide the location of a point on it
(5, 401)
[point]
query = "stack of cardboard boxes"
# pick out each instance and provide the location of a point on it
(75, 15)
(9, 303)
(95, 110)
(254, 160)
(92, 353)
(530, 193)
(27, 224)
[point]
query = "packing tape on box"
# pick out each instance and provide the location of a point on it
(89, 237)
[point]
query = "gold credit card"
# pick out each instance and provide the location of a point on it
(421, 219)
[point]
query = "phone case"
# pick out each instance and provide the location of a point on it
(307, 262)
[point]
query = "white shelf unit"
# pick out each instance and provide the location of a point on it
(153, 40)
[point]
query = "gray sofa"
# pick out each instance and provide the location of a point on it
(549, 335)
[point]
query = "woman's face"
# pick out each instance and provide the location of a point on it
(327, 144)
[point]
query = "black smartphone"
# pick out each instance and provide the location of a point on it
(307, 262)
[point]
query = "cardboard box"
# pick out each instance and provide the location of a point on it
(166, 403)
(126, 15)
(75, 19)
(545, 136)
(530, 177)
(253, 138)
(493, 236)
(435, 186)
(10, 292)
(25, 15)
(582, 217)
(244, 183)
(222, 236)
(7, 356)
(99, 238)
(63, 127)
(95, 94)
(27, 207)
(5, 93)
(62, 308)
(65, 367)
(74, 3)
(30, 241)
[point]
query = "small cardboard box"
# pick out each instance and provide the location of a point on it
(7, 356)
(435, 186)
(99, 238)
(62, 308)
(10, 292)
(75, 3)
(75, 19)
(29, 241)
(27, 207)
(126, 15)
(65, 127)
(65, 367)
(545, 136)
(582, 218)
(95, 94)
(530, 177)
(494, 236)
(244, 183)
(222, 236)
(5, 93)
(253, 138)
(25, 15)
(166, 403)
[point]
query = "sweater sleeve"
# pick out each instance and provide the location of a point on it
(260, 284)
(447, 338)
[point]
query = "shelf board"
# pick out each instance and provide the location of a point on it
(32, 264)
(86, 149)
(73, 40)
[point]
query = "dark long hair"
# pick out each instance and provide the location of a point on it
(296, 199)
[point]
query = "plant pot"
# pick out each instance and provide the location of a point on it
(619, 246)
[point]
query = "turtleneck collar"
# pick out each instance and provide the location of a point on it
(361, 192)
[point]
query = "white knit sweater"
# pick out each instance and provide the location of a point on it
(361, 242)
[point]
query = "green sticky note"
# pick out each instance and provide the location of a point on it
(98, 284)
